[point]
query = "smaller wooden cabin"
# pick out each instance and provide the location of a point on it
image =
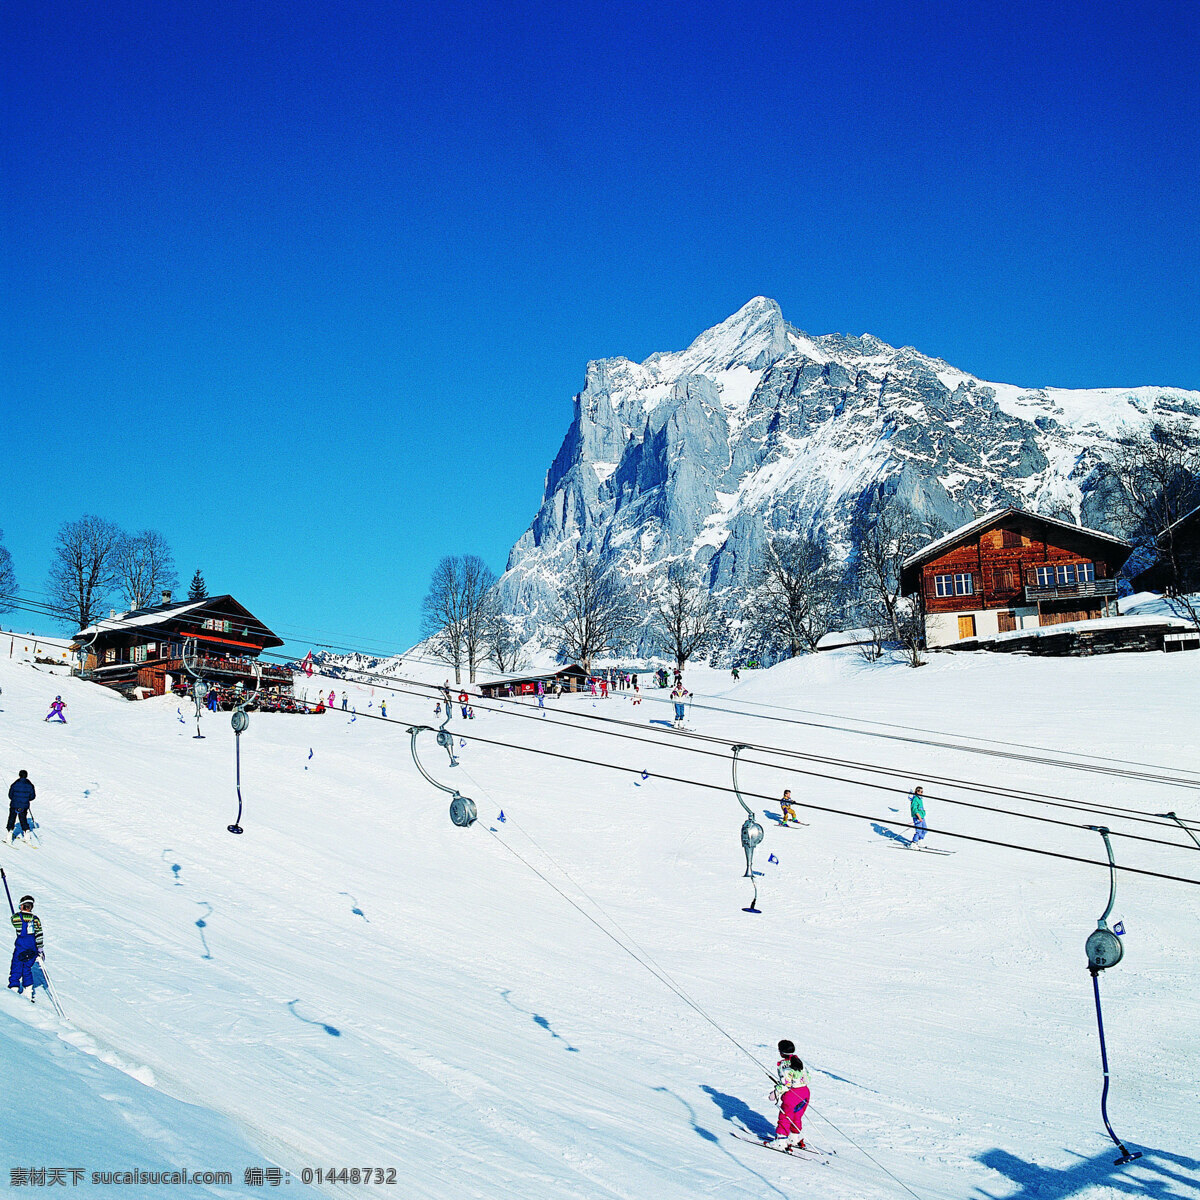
(141, 652)
(1177, 569)
(571, 679)
(1010, 570)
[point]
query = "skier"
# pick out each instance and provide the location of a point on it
(56, 710)
(789, 813)
(541, 694)
(604, 687)
(27, 948)
(470, 712)
(916, 805)
(383, 708)
(345, 701)
(20, 795)
(214, 701)
(678, 695)
(332, 698)
(792, 1095)
(736, 674)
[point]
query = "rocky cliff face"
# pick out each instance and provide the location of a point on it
(758, 428)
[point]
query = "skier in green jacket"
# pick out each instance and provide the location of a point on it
(916, 806)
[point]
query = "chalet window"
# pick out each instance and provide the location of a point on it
(1085, 572)
(943, 585)
(1004, 580)
(1009, 539)
(1064, 573)
(1045, 577)
(138, 653)
(110, 655)
(964, 585)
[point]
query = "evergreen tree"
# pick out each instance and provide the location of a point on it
(198, 590)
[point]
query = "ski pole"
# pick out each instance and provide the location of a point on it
(11, 906)
(58, 1008)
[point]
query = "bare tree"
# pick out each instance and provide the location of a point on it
(797, 596)
(888, 534)
(144, 566)
(8, 578)
(83, 570)
(683, 614)
(502, 639)
(594, 615)
(1159, 474)
(454, 612)
(478, 584)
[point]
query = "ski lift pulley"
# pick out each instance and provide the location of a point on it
(463, 811)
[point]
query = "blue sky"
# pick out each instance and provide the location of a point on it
(309, 288)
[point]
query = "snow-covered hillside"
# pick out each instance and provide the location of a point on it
(356, 982)
(758, 428)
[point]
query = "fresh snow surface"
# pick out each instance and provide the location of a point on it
(355, 981)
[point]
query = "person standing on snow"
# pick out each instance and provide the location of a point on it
(332, 698)
(678, 696)
(792, 1094)
(27, 949)
(345, 701)
(383, 708)
(789, 813)
(20, 796)
(56, 710)
(916, 806)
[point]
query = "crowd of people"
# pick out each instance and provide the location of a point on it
(220, 698)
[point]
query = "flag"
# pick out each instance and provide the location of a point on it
(307, 665)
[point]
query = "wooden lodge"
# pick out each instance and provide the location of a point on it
(1012, 570)
(141, 652)
(1177, 569)
(570, 679)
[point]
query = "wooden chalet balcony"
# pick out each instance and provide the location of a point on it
(1069, 591)
(239, 668)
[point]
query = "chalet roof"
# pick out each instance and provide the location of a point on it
(1189, 516)
(534, 676)
(964, 532)
(160, 615)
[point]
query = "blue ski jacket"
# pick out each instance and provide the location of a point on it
(21, 795)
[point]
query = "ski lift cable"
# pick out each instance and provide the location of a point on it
(1108, 812)
(814, 807)
(1177, 781)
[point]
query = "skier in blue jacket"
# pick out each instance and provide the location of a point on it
(916, 805)
(20, 795)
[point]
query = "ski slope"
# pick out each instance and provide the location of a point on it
(356, 982)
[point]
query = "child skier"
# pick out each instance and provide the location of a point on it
(679, 695)
(792, 1095)
(916, 806)
(27, 949)
(789, 813)
(56, 710)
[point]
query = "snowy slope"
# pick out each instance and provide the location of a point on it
(355, 981)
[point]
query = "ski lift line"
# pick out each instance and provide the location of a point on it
(392, 682)
(1109, 812)
(1066, 764)
(835, 811)
(817, 807)
(1133, 762)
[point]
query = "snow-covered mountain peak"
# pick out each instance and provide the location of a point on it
(758, 429)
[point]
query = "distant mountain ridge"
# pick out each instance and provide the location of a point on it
(759, 428)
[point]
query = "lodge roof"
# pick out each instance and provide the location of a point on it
(964, 532)
(159, 616)
(1185, 519)
(534, 676)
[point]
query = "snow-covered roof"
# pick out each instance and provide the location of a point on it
(141, 616)
(1176, 524)
(980, 523)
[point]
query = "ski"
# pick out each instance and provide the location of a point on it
(922, 849)
(796, 1152)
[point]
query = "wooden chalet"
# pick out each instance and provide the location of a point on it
(141, 652)
(572, 678)
(1011, 570)
(1178, 552)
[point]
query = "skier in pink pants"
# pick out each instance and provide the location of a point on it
(792, 1095)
